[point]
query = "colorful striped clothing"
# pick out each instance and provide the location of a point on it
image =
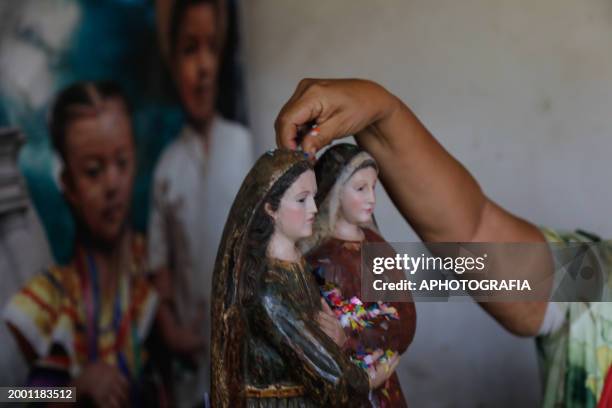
(577, 357)
(67, 324)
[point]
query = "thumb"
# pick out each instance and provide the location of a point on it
(292, 118)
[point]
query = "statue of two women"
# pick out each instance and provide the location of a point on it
(268, 346)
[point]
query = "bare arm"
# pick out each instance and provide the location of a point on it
(432, 190)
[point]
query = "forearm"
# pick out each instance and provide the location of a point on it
(444, 203)
(422, 178)
(523, 318)
(432, 190)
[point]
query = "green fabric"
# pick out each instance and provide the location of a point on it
(575, 359)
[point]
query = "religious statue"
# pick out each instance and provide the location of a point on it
(267, 348)
(346, 179)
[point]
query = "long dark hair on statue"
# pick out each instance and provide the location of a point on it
(262, 228)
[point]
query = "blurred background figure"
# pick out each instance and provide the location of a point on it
(34, 39)
(46, 45)
(87, 323)
(23, 248)
(195, 182)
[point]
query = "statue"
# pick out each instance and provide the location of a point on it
(347, 176)
(267, 349)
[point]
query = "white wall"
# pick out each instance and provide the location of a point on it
(519, 91)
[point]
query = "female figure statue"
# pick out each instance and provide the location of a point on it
(347, 176)
(267, 348)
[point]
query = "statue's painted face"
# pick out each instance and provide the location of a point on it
(358, 196)
(297, 208)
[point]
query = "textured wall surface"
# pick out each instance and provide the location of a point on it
(519, 91)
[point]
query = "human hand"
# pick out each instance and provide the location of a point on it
(338, 107)
(328, 322)
(380, 373)
(104, 385)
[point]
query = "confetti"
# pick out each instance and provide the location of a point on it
(364, 358)
(354, 314)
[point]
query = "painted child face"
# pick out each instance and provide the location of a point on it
(297, 208)
(100, 170)
(358, 196)
(196, 61)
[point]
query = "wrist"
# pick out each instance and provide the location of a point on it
(388, 105)
(387, 118)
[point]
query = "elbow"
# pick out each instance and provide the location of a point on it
(522, 329)
(525, 318)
